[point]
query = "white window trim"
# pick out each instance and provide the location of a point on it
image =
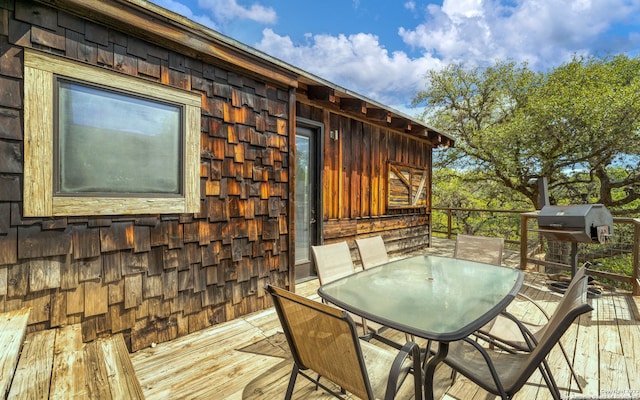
(39, 199)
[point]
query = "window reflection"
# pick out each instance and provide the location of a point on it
(303, 199)
(115, 143)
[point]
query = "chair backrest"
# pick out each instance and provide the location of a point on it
(580, 274)
(479, 248)
(333, 261)
(324, 339)
(372, 251)
(571, 306)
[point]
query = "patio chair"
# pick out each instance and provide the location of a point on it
(333, 261)
(479, 248)
(506, 334)
(504, 374)
(372, 251)
(324, 339)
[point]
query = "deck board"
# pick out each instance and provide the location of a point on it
(13, 329)
(33, 375)
(630, 331)
(247, 358)
(68, 377)
(56, 364)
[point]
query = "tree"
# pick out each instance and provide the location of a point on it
(577, 125)
(451, 190)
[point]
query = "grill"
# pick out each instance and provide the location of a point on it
(585, 223)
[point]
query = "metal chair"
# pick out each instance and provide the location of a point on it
(372, 251)
(333, 261)
(504, 333)
(507, 373)
(324, 339)
(479, 248)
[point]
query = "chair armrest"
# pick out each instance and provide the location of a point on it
(529, 338)
(410, 349)
(538, 306)
(507, 342)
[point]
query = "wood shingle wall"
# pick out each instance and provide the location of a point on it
(152, 277)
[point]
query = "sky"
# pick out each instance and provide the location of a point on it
(383, 49)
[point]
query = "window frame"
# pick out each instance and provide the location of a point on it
(415, 179)
(40, 72)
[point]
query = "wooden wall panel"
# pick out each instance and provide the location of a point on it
(346, 168)
(355, 179)
(355, 166)
(368, 172)
(357, 171)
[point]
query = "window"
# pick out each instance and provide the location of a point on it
(98, 142)
(138, 152)
(408, 186)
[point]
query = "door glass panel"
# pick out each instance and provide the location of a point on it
(303, 200)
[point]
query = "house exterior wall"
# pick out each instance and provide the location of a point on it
(355, 181)
(152, 277)
(155, 277)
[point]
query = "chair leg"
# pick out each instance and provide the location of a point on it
(548, 378)
(365, 328)
(292, 382)
(427, 354)
(573, 372)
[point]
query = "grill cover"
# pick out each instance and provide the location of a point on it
(586, 223)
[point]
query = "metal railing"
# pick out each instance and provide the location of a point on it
(519, 228)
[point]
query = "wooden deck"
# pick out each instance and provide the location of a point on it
(248, 358)
(56, 364)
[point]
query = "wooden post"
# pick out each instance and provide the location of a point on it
(524, 238)
(635, 274)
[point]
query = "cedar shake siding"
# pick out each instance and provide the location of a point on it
(153, 277)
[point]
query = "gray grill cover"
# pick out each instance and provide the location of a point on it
(586, 223)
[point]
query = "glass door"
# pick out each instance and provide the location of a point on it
(306, 200)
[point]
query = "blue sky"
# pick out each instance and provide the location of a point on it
(382, 49)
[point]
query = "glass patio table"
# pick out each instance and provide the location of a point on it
(432, 297)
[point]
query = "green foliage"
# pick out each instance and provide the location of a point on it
(577, 125)
(452, 189)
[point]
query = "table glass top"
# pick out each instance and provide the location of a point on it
(433, 297)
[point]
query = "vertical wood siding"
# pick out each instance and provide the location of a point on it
(355, 167)
(355, 181)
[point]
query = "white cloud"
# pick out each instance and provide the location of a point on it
(460, 9)
(410, 5)
(542, 32)
(179, 8)
(226, 10)
(357, 62)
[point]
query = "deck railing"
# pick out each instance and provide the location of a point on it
(519, 228)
